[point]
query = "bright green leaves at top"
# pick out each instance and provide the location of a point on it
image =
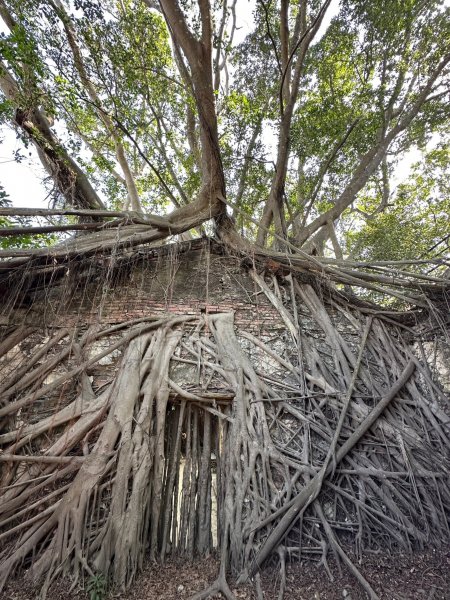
(19, 52)
(333, 118)
(416, 223)
(358, 82)
(127, 58)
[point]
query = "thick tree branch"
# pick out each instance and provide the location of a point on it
(70, 180)
(274, 209)
(199, 58)
(205, 15)
(372, 159)
(95, 100)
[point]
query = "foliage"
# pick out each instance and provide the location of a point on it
(97, 587)
(416, 223)
(360, 82)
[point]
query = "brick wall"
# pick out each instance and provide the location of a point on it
(194, 282)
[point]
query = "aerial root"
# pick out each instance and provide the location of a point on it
(219, 586)
(310, 445)
(340, 554)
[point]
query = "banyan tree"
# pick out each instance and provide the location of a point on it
(216, 375)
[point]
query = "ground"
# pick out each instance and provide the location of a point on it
(423, 576)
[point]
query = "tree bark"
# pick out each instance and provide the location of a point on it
(274, 207)
(69, 179)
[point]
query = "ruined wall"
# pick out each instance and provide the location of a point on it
(186, 279)
(194, 282)
(255, 405)
(178, 280)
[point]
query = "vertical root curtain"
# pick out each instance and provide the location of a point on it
(115, 441)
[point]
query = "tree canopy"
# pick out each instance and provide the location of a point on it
(292, 136)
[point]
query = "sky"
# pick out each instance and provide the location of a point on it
(23, 181)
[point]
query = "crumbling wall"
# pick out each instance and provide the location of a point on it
(308, 405)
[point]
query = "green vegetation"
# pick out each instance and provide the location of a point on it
(314, 123)
(97, 587)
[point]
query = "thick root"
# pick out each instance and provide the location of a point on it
(329, 437)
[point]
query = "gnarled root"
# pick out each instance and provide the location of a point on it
(327, 437)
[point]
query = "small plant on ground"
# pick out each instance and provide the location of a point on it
(97, 587)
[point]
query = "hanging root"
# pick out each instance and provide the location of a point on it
(117, 442)
(103, 513)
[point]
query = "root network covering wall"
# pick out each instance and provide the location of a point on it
(130, 383)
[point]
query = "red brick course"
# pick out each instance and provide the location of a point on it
(197, 284)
